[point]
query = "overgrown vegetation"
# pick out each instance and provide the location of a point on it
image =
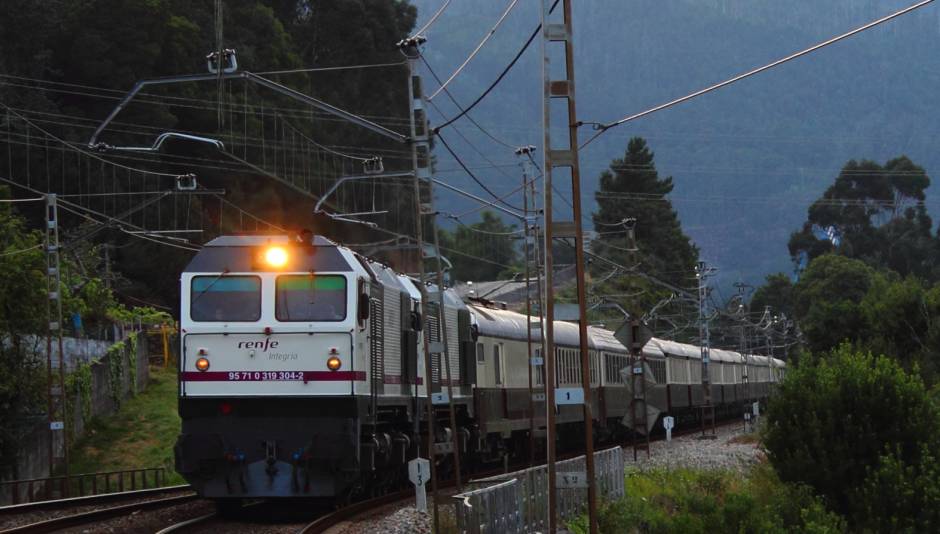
(864, 435)
(141, 434)
(700, 501)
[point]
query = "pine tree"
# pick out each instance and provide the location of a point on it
(632, 189)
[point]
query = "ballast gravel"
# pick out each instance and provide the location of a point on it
(730, 449)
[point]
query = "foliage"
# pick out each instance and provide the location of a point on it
(841, 299)
(482, 251)
(109, 45)
(828, 301)
(863, 434)
(131, 354)
(880, 215)
(633, 189)
(78, 384)
(140, 434)
(22, 317)
(777, 292)
(143, 314)
(115, 359)
(701, 501)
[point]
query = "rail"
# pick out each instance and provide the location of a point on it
(80, 485)
(517, 502)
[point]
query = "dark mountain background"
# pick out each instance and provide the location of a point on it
(747, 160)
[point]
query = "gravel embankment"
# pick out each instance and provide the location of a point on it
(731, 449)
(406, 520)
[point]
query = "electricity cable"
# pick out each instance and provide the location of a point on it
(602, 128)
(476, 50)
(498, 78)
(473, 176)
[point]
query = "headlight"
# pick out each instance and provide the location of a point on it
(202, 364)
(334, 363)
(276, 257)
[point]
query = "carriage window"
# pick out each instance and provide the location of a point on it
(481, 353)
(223, 298)
(309, 297)
(497, 363)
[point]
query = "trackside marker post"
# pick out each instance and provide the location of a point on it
(419, 471)
(668, 424)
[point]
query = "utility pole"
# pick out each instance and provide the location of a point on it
(702, 272)
(421, 157)
(552, 158)
(525, 153)
(55, 362)
(744, 348)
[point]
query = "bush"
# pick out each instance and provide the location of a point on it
(863, 434)
(693, 501)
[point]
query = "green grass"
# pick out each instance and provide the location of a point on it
(704, 501)
(140, 435)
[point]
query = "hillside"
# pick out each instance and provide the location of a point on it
(747, 160)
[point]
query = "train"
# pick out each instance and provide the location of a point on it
(302, 374)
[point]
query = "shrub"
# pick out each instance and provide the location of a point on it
(863, 434)
(698, 501)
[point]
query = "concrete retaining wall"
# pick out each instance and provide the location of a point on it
(33, 458)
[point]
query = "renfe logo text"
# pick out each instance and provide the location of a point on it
(263, 345)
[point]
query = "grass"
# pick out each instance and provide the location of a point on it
(707, 501)
(140, 435)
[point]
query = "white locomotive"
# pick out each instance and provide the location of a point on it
(302, 373)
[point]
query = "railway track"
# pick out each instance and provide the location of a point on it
(82, 511)
(78, 511)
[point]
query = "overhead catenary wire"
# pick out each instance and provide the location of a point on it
(473, 176)
(498, 79)
(604, 127)
(459, 107)
(80, 150)
(476, 50)
(432, 20)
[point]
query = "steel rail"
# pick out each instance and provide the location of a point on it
(59, 523)
(88, 500)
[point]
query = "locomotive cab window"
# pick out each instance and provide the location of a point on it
(225, 298)
(310, 297)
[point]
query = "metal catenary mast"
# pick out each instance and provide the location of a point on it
(554, 158)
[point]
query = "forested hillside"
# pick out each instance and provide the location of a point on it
(65, 64)
(746, 161)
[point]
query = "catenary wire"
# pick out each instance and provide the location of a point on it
(473, 176)
(432, 20)
(476, 50)
(607, 126)
(498, 78)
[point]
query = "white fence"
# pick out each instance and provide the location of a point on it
(518, 502)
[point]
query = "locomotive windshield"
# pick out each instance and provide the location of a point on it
(225, 298)
(310, 297)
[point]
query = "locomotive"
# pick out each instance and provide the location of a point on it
(301, 373)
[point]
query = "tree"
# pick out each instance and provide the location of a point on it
(876, 214)
(22, 316)
(863, 434)
(482, 251)
(777, 292)
(828, 301)
(631, 190)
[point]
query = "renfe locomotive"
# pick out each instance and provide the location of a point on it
(302, 373)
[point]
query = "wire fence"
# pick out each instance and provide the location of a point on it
(518, 502)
